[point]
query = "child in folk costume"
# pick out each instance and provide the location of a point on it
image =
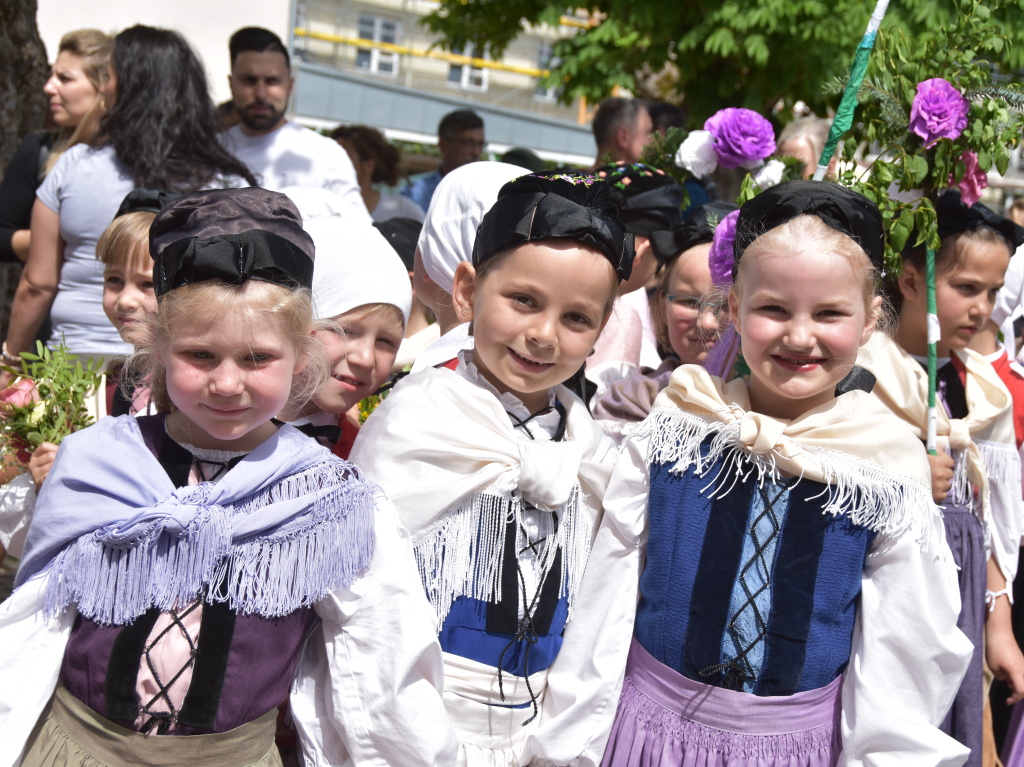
(979, 484)
(361, 300)
(184, 569)
(686, 311)
(798, 603)
(498, 472)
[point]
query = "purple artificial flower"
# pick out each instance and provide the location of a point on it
(939, 111)
(720, 258)
(742, 137)
(974, 180)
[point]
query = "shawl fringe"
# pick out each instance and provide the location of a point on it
(1002, 466)
(870, 495)
(115, 576)
(464, 554)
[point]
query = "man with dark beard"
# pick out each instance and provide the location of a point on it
(279, 152)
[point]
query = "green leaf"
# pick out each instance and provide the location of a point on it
(917, 168)
(899, 233)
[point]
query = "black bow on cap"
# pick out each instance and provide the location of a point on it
(232, 258)
(572, 206)
(649, 199)
(146, 200)
(232, 235)
(698, 228)
(955, 217)
(840, 208)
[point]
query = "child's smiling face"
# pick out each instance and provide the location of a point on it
(361, 355)
(802, 317)
(537, 313)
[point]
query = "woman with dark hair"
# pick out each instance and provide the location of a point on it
(159, 131)
(376, 161)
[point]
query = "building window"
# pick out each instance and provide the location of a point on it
(466, 76)
(546, 59)
(373, 59)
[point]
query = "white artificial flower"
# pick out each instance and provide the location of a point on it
(770, 174)
(697, 153)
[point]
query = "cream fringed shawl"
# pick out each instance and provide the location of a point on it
(983, 442)
(445, 452)
(876, 472)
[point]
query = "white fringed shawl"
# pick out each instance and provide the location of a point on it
(445, 452)
(876, 472)
(986, 452)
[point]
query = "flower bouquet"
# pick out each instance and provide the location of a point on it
(46, 400)
(937, 119)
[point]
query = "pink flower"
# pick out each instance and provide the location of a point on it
(742, 137)
(938, 111)
(19, 394)
(721, 257)
(974, 179)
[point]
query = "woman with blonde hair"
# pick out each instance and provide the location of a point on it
(74, 91)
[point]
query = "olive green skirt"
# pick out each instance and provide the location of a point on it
(70, 734)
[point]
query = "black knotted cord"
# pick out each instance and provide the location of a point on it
(219, 466)
(525, 630)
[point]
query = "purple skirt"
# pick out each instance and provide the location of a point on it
(667, 720)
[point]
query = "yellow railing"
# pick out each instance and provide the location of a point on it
(404, 50)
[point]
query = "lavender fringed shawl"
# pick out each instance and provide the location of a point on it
(286, 526)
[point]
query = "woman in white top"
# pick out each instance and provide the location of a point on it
(159, 132)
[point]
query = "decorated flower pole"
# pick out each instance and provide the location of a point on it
(844, 115)
(939, 111)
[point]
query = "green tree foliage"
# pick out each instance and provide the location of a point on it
(750, 53)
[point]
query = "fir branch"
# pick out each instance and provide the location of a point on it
(1012, 97)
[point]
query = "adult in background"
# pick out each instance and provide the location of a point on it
(622, 127)
(460, 140)
(276, 150)
(159, 132)
(377, 161)
(804, 139)
(76, 104)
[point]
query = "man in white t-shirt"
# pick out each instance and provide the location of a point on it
(279, 152)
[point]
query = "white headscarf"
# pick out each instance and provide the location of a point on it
(455, 212)
(355, 265)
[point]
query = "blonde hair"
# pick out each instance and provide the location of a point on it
(202, 304)
(94, 48)
(797, 232)
(125, 243)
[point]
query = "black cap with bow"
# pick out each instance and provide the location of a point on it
(232, 235)
(840, 208)
(556, 206)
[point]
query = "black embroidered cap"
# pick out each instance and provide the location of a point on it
(556, 206)
(698, 228)
(649, 199)
(232, 235)
(840, 208)
(955, 217)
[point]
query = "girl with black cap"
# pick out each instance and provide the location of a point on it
(798, 603)
(977, 474)
(498, 472)
(211, 547)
